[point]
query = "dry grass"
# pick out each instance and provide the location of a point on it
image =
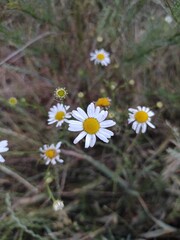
(128, 189)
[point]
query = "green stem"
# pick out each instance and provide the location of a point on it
(50, 193)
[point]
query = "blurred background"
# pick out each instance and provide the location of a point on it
(127, 189)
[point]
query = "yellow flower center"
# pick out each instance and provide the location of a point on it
(60, 93)
(103, 102)
(100, 56)
(141, 117)
(91, 125)
(51, 153)
(59, 115)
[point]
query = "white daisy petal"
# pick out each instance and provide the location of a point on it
(3, 143)
(51, 121)
(150, 113)
(107, 133)
(90, 110)
(87, 140)
(79, 137)
(68, 115)
(134, 126)
(138, 127)
(58, 145)
(66, 107)
(144, 127)
(77, 115)
(82, 112)
(130, 120)
(75, 122)
(93, 140)
(53, 162)
(59, 160)
(146, 109)
(5, 149)
(2, 159)
(132, 110)
(97, 111)
(103, 115)
(75, 128)
(102, 137)
(131, 115)
(59, 124)
(107, 123)
(150, 124)
(47, 162)
(103, 133)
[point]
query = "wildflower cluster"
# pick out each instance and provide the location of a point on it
(140, 117)
(91, 124)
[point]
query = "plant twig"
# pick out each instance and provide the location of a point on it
(25, 46)
(19, 223)
(102, 168)
(168, 228)
(18, 178)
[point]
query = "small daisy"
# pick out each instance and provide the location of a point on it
(58, 205)
(91, 124)
(168, 19)
(100, 56)
(103, 102)
(3, 148)
(12, 101)
(141, 117)
(51, 153)
(58, 114)
(60, 93)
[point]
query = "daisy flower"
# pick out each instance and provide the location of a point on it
(141, 117)
(100, 56)
(168, 19)
(50, 153)
(58, 114)
(12, 101)
(103, 102)
(91, 124)
(60, 93)
(58, 205)
(3, 148)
